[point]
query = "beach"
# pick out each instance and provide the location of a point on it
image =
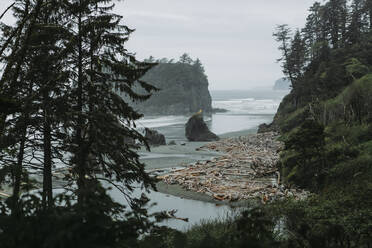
(164, 159)
(247, 171)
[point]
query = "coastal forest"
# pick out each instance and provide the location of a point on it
(68, 91)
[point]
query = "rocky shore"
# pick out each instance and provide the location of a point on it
(248, 170)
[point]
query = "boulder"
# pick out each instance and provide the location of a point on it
(154, 137)
(197, 129)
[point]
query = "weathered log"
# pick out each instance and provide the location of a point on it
(4, 194)
(246, 171)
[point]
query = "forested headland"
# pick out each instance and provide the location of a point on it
(182, 84)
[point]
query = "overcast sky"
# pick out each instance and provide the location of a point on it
(233, 38)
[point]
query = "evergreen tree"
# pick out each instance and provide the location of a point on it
(16, 85)
(297, 57)
(368, 7)
(185, 59)
(66, 63)
(46, 70)
(311, 36)
(199, 65)
(283, 36)
(150, 59)
(304, 160)
(335, 19)
(355, 28)
(102, 121)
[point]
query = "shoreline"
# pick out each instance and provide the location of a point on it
(179, 191)
(189, 150)
(244, 174)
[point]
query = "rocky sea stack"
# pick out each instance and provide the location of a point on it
(197, 129)
(154, 137)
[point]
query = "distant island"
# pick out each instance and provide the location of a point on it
(282, 84)
(183, 87)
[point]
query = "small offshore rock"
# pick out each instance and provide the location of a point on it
(172, 143)
(154, 137)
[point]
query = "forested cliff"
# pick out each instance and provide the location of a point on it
(183, 88)
(325, 123)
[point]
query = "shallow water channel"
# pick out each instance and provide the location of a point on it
(195, 211)
(167, 157)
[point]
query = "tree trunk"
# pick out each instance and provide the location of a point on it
(47, 175)
(18, 167)
(80, 122)
(369, 3)
(289, 70)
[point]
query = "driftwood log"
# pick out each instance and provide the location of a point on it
(247, 170)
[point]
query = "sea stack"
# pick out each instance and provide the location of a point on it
(154, 137)
(197, 129)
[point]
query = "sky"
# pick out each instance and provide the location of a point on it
(232, 38)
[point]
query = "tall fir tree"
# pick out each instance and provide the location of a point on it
(102, 121)
(283, 37)
(66, 63)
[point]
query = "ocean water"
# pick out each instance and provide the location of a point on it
(195, 211)
(246, 109)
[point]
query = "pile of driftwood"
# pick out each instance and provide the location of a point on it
(247, 170)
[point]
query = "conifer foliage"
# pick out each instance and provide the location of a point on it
(337, 25)
(66, 64)
(326, 125)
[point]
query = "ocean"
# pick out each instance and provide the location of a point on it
(246, 109)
